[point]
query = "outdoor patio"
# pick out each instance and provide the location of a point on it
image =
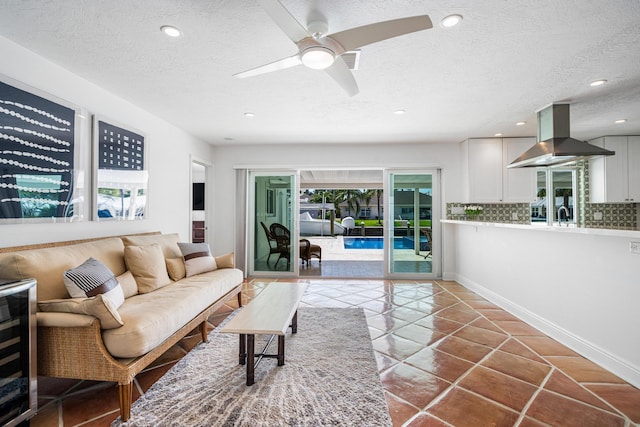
(333, 250)
(340, 262)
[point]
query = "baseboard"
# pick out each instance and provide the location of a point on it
(617, 366)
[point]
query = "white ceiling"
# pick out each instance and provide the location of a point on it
(504, 61)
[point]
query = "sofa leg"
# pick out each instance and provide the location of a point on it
(239, 296)
(203, 331)
(125, 391)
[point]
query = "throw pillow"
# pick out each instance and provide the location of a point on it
(93, 278)
(97, 306)
(175, 268)
(197, 258)
(226, 261)
(146, 263)
(128, 283)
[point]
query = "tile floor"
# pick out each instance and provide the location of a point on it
(447, 357)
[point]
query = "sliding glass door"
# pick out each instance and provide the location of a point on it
(272, 223)
(412, 223)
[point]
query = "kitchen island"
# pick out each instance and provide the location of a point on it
(580, 286)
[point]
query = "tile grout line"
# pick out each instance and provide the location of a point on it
(554, 368)
(468, 371)
(535, 395)
(615, 411)
(479, 364)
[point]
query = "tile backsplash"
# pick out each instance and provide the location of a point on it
(619, 216)
(512, 213)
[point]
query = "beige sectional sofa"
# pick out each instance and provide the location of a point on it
(85, 339)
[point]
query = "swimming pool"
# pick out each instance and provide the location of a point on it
(377, 243)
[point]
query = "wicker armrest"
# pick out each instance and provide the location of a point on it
(78, 352)
(63, 319)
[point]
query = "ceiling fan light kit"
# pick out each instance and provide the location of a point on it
(320, 52)
(317, 57)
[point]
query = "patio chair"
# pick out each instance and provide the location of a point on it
(349, 224)
(308, 251)
(273, 245)
(283, 242)
(427, 235)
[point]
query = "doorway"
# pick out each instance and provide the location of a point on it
(198, 201)
(272, 223)
(367, 200)
(412, 223)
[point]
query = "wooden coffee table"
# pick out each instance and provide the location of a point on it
(270, 313)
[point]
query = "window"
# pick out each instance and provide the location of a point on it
(365, 213)
(555, 193)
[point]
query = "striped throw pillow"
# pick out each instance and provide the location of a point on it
(197, 258)
(93, 280)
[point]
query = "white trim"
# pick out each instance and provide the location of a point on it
(310, 166)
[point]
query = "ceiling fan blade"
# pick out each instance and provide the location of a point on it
(281, 64)
(287, 23)
(372, 33)
(341, 73)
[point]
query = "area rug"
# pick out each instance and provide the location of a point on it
(330, 378)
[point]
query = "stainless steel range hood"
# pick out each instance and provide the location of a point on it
(555, 147)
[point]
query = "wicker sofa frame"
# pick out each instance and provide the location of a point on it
(79, 352)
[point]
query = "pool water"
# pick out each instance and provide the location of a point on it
(377, 243)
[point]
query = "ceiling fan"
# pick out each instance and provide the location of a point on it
(319, 51)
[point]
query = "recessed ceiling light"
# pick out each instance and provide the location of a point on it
(451, 21)
(621, 121)
(498, 134)
(171, 31)
(399, 112)
(597, 83)
(249, 114)
(521, 123)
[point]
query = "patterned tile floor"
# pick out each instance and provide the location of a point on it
(447, 357)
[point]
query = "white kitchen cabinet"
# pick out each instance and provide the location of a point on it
(616, 179)
(486, 177)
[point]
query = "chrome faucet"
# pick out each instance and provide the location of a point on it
(566, 215)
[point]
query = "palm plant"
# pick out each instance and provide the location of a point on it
(378, 197)
(353, 200)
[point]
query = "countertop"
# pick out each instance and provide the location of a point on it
(546, 228)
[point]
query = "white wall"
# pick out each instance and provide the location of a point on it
(323, 156)
(168, 154)
(581, 288)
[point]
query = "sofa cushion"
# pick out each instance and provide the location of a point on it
(47, 265)
(146, 263)
(93, 278)
(97, 306)
(168, 243)
(176, 270)
(151, 318)
(197, 258)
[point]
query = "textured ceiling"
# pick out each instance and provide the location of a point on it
(504, 61)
